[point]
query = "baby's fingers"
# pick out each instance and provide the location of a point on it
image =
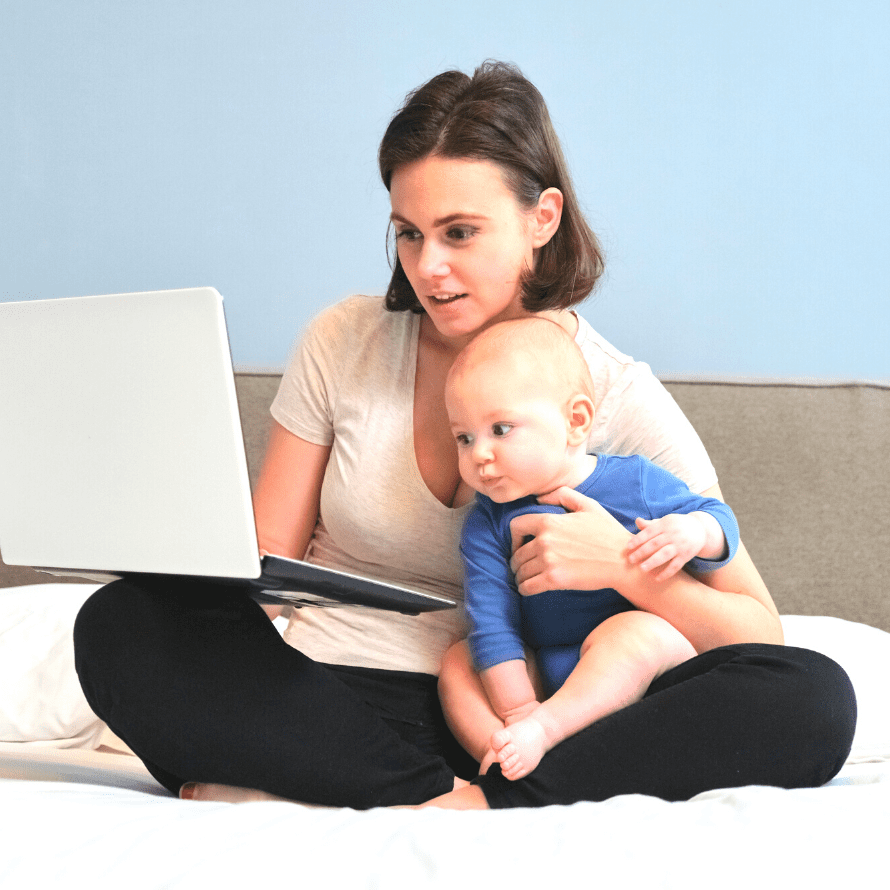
(647, 532)
(670, 569)
(661, 556)
(645, 547)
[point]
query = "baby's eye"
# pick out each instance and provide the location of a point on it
(462, 439)
(501, 429)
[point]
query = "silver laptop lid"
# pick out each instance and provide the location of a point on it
(121, 446)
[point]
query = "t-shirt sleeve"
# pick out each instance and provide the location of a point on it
(492, 602)
(646, 420)
(635, 414)
(664, 493)
(305, 401)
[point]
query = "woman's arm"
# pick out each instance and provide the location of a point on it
(585, 550)
(287, 495)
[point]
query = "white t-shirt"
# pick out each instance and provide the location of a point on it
(350, 385)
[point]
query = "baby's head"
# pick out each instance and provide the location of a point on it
(520, 402)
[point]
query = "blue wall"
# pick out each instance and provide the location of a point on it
(733, 157)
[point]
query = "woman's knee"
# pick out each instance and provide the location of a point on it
(118, 634)
(96, 624)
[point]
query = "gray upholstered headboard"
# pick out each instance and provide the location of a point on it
(804, 467)
(806, 470)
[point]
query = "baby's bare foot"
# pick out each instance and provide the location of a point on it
(519, 747)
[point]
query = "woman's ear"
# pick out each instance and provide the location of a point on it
(580, 419)
(547, 215)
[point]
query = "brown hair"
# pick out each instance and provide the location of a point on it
(497, 115)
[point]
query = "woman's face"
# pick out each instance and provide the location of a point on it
(463, 241)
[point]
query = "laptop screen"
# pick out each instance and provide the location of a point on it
(121, 448)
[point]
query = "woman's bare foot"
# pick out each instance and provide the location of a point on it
(464, 797)
(224, 793)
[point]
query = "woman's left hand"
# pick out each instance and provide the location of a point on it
(586, 549)
(583, 549)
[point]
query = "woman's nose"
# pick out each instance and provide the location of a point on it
(432, 262)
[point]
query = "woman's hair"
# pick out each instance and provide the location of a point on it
(497, 115)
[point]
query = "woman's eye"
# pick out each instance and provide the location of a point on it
(408, 235)
(461, 233)
(501, 429)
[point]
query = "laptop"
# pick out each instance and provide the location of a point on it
(121, 451)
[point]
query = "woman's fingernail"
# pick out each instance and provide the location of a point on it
(187, 791)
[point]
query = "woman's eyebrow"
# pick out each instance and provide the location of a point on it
(442, 221)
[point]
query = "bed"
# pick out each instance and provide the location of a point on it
(804, 466)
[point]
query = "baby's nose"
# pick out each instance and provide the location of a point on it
(482, 452)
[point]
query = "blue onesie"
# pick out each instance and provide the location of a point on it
(556, 623)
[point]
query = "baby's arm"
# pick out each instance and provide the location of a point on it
(671, 541)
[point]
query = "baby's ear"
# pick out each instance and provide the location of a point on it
(580, 417)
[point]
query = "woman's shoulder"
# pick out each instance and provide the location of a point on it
(635, 414)
(612, 370)
(601, 354)
(355, 311)
(356, 319)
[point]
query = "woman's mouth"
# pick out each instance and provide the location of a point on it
(444, 299)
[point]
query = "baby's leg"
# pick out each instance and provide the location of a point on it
(619, 659)
(464, 702)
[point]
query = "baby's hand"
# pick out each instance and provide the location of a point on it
(667, 543)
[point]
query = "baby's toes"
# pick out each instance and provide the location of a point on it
(515, 771)
(499, 738)
(510, 761)
(507, 753)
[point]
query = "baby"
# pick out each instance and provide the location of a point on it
(520, 402)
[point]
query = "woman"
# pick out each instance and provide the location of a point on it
(361, 473)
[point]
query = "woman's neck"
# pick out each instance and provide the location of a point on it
(452, 346)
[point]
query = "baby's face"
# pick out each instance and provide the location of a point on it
(512, 435)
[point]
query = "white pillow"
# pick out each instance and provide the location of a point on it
(864, 653)
(41, 702)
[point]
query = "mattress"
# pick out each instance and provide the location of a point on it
(80, 815)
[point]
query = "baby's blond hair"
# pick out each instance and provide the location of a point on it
(539, 345)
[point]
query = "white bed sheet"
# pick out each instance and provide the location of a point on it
(82, 835)
(83, 818)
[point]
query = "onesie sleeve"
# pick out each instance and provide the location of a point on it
(491, 599)
(664, 493)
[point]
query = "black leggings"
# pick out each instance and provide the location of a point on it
(198, 682)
